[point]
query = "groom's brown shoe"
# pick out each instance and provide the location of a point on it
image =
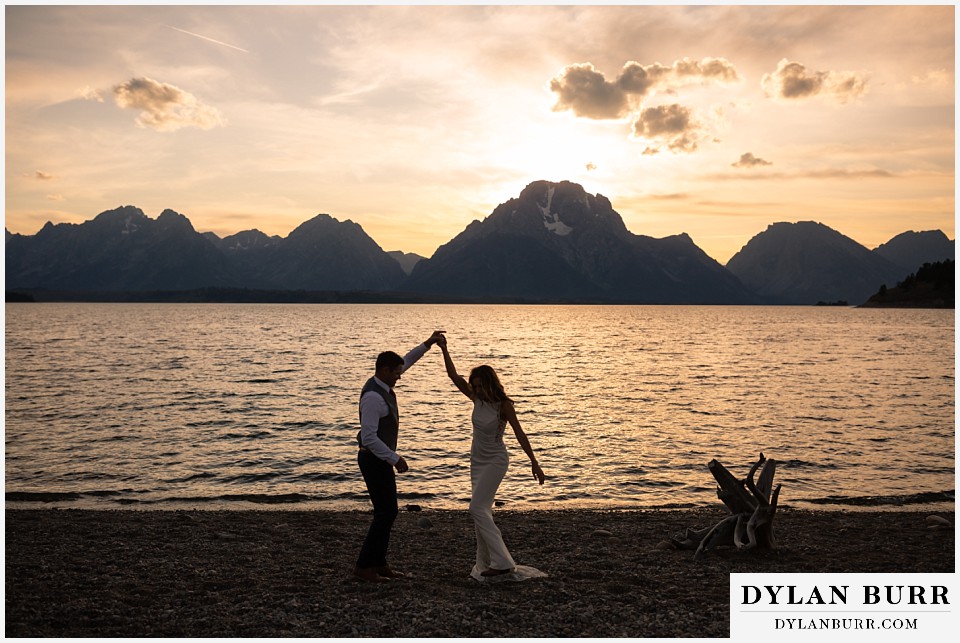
(369, 574)
(386, 572)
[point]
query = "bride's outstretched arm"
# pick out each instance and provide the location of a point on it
(511, 415)
(452, 370)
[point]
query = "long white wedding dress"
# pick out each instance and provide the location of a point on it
(488, 465)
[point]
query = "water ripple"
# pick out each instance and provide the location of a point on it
(257, 405)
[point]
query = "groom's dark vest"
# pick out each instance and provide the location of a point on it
(390, 423)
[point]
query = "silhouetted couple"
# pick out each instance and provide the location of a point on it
(379, 429)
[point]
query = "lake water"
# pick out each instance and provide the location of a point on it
(255, 406)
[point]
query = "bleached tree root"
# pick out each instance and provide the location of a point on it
(752, 507)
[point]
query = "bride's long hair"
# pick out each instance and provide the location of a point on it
(486, 385)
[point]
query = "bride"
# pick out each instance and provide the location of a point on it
(492, 409)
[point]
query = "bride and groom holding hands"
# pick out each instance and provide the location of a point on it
(378, 458)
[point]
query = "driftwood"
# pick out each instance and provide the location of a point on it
(752, 507)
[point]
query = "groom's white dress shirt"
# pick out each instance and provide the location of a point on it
(373, 407)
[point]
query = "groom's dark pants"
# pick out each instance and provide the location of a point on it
(382, 487)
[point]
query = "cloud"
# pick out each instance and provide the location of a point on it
(591, 166)
(639, 79)
(164, 107)
(934, 78)
(89, 93)
(671, 126)
(43, 176)
(719, 69)
(793, 81)
(850, 174)
(749, 160)
(672, 196)
(586, 92)
(824, 173)
(55, 197)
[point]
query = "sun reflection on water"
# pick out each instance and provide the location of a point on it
(212, 404)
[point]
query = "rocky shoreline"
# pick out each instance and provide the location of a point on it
(86, 573)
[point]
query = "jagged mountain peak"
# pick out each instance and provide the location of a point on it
(248, 239)
(786, 241)
(799, 225)
(556, 210)
(541, 191)
(122, 221)
(786, 237)
(171, 220)
(123, 249)
(930, 234)
(557, 242)
(911, 249)
(683, 237)
(806, 262)
(122, 213)
(322, 218)
(324, 224)
(783, 228)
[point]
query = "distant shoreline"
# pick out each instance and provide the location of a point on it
(253, 296)
(928, 501)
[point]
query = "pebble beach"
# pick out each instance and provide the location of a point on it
(93, 573)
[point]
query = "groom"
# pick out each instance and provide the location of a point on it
(379, 428)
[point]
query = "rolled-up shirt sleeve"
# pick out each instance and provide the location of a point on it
(372, 408)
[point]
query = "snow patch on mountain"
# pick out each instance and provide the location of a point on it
(129, 226)
(551, 220)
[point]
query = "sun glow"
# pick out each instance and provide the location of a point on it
(557, 148)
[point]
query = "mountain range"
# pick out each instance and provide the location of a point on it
(552, 243)
(557, 242)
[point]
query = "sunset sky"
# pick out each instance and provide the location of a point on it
(413, 121)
